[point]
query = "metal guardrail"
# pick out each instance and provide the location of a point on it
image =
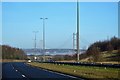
(86, 64)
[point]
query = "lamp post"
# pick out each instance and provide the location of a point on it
(35, 44)
(78, 30)
(43, 37)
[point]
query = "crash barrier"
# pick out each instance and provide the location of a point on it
(86, 64)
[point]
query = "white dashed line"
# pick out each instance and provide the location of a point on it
(18, 71)
(23, 75)
(12, 66)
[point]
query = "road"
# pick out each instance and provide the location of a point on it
(22, 71)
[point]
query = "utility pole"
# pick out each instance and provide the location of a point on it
(43, 37)
(35, 44)
(78, 30)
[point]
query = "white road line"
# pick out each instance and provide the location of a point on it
(19, 72)
(62, 74)
(58, 73)
(23, 75)
(12, 66)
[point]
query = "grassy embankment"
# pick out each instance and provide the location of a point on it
(106, 57)
(11, 60)
(81, 71)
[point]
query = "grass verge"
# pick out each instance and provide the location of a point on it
(11, 60)
(82, 71)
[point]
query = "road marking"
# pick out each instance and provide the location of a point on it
(18, 71)
(23, 76)
(62, 74)
(12, 66)
(58, 73)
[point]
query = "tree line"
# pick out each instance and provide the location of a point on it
(12, 53)
(107, 45)
(95, 50)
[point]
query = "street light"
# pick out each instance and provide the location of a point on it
(78, 30)
(43, 37)
(35, 43)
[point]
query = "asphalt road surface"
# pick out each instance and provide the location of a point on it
(22, 71)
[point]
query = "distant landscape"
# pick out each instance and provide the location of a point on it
(100, 51)
(51, 51)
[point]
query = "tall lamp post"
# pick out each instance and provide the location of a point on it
(35, 44)
(43, 37)
(78, 30)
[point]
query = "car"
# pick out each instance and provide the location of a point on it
(29, 61)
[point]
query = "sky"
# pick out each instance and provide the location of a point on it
(98, 21)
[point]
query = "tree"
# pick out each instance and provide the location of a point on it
(95, 53)
(67, 57)
(12, 53)
(110, 47)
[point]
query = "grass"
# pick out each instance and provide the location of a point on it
(106, 57)
(81, 71)
(11, 60)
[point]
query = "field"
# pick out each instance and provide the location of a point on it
(82, 71)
